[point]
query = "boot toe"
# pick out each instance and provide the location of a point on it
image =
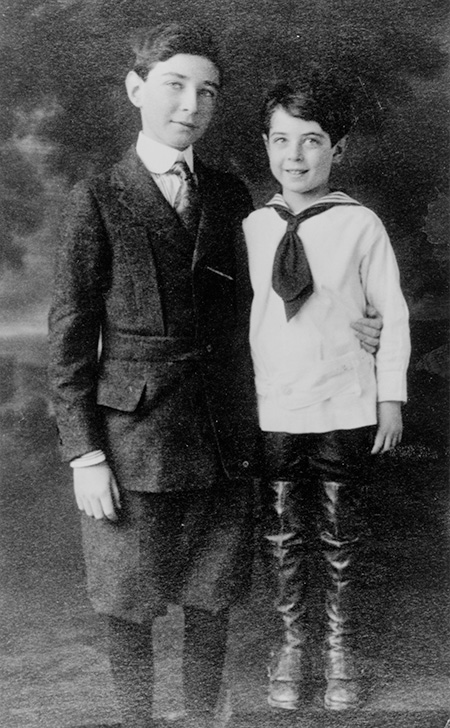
(283, 694)
(341, 695)
(288, 678)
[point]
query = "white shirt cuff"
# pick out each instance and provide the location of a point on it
(391, 386)
(90, 458)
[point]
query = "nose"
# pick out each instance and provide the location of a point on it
(296, 151)
(189, 100)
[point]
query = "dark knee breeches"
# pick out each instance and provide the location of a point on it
(327, 480)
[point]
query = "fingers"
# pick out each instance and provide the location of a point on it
(107, 508)
(395, 440)
(363, 328)
(369, 349)
(368, 332)
(368, 343)
(78, 496)
(96, 491)
(115, 492)
(96, 507)
(100, 507)
(384, 442)
(378, 444)
(371, 312)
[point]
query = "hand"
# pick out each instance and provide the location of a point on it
(96, 491)
(368, 330)
(390, 427)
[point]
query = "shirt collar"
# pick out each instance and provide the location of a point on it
(335, 196)
(159, 158)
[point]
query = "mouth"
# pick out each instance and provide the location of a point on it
(185, 125)
(296, 172)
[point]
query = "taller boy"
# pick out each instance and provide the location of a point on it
(152, 261)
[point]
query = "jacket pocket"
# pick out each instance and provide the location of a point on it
(119, 393)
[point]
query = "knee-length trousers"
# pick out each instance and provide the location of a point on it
(193, 547)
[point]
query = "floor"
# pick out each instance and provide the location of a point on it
(54, 672)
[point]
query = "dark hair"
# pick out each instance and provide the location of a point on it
(152, 45)
(317, 97)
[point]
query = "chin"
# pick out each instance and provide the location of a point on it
(182, 141)
(297, 189)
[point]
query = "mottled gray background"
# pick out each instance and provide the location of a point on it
(63, 114)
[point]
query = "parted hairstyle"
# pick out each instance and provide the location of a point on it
(319, 97)
(161, 42)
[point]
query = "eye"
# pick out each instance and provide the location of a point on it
(175, 84)
(278, 140)
(312, 142)
(208, 93)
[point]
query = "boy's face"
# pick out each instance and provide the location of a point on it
(177, 99)
(300, 156)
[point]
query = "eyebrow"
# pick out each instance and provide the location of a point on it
(183, 78)
(308, 133)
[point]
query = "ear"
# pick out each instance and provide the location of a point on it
(266, 141)
(339, 150)
(133, 84)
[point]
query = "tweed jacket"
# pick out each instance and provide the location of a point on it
(120, 380)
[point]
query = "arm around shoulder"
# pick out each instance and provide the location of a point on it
(368, 329)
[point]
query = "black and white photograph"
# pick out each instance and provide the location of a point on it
(224, 364)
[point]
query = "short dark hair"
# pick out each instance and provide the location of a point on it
(161, 42)
(316, 97)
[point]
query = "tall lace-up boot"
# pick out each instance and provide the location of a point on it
(341, 544)
(289, 667)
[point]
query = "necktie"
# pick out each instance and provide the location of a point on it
(291, 274)
(187, 199)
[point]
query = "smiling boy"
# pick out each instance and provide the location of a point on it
(317, 258)
(301, 156)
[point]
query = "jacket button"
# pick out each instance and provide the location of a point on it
(209, 348)
(245, 463)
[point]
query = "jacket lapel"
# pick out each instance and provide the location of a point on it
(145, 222)
(140, 195)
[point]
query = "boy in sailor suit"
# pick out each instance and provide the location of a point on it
(317, 258)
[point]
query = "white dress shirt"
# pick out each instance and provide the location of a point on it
(311, 373)
(158, 159)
